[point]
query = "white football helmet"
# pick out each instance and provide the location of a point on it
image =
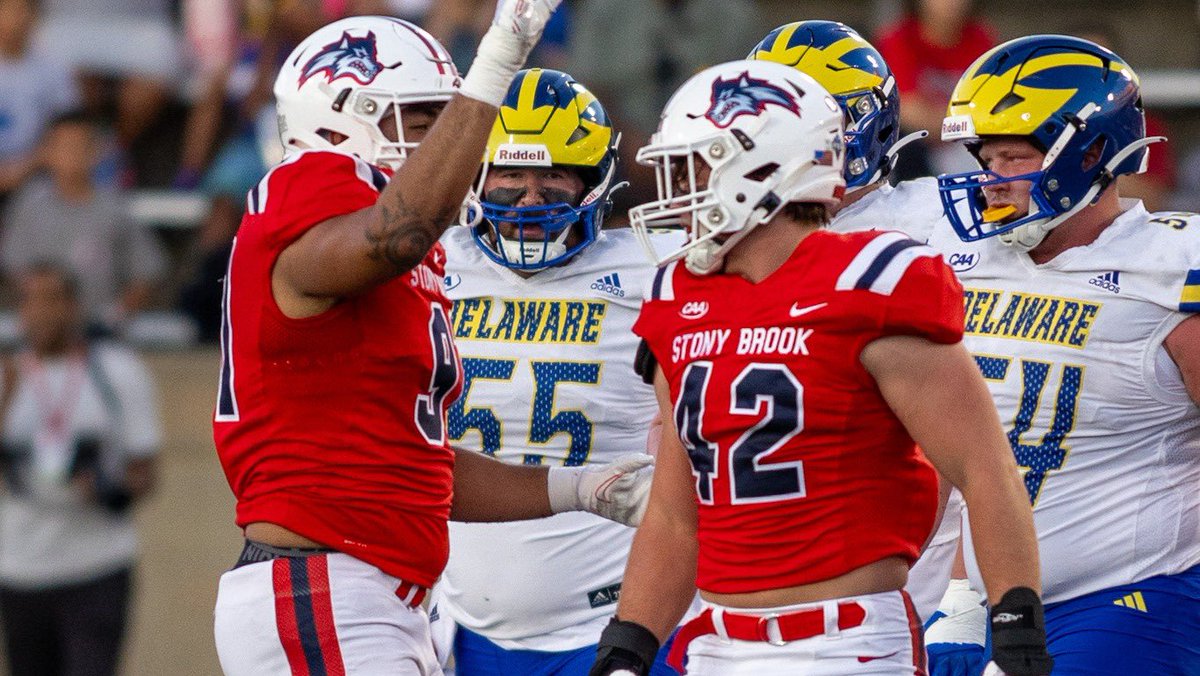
(769, 135)
(342, 80)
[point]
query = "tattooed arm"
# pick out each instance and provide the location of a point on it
(350, 254)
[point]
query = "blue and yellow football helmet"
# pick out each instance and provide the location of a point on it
(1063, 94)
(547, 119)
(847, 66)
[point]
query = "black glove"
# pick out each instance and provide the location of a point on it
(1019, 634)
(625, 645)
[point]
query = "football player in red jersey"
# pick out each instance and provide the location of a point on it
(799, 366)
(338, 363)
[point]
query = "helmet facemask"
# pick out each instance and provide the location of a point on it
(684, 202)
(547, 122)
(557, 217)
(1075, 101)
(1065, 184)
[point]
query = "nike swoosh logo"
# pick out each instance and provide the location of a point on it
(797, 311)
(864, 660)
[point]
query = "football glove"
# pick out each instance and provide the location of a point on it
(956, 633)
(516, 29)
(618, 491)
(625, 649)
(1019, 634)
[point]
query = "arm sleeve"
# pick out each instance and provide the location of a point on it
(927, 302)
(1189, 296)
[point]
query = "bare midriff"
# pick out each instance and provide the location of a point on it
(277, 536)
(884, 575)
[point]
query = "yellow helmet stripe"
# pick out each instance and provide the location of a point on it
(781, 42)
(529, 89)
(843, 77)
(979, 94)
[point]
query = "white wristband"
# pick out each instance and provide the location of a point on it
(500, 55)
(562, 485)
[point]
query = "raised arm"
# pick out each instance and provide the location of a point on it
(352, 253)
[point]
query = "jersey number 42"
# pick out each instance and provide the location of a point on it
(753, 477)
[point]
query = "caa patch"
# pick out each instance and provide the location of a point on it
(694, 309)
(744, 95)
(961, 262)
(351, 57)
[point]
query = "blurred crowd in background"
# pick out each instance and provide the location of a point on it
(131, 130)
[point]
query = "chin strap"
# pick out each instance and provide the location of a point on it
(470, 214)
(1029, 235)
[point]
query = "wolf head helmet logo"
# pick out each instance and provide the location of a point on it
(744, 95)
(348, 57)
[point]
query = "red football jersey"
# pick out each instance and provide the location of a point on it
(803, 473)
(333, 426)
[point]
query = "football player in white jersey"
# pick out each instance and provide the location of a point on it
(838, 58)
(544, 302)
(1081, 311)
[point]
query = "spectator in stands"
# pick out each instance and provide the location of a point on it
(127, 56)
(635, 53)
(928, 49)
(1154, 187)
(36, 89)
(229, 139)
(63, 216)
(79, 434)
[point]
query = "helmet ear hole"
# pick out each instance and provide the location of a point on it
(332, 137)
(762, 173)
(1007, 101)
(1094, 154)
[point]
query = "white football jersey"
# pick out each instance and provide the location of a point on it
(548, 379)
(1104, 431)
(911, 207)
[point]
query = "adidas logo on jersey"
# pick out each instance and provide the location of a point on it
(1109, 281)
(604, 597)
(610, 284)
(1134, 601)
